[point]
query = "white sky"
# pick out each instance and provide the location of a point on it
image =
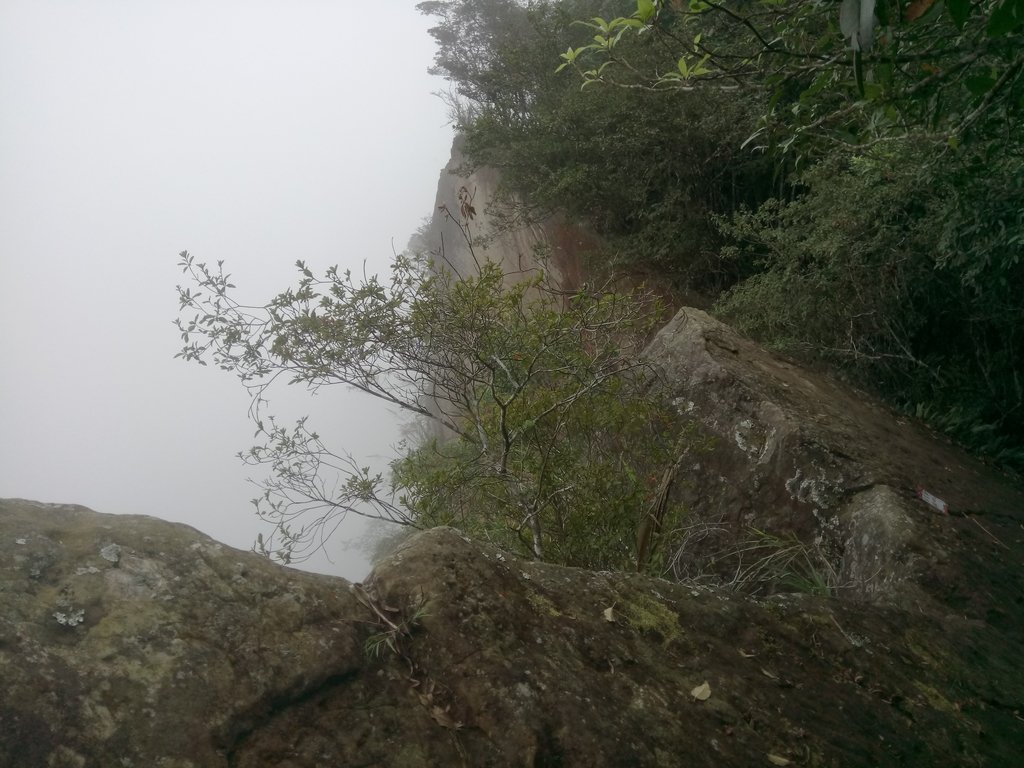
(254, 132)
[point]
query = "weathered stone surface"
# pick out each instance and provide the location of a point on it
(797, 452)
(497, 232)
(127, 641)
(130, 641)
(556, 666)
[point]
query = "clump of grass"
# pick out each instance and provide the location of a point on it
(769, 563)
(761, 563)
(394, 624)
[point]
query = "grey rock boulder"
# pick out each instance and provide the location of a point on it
(129, 641)
(797, 453)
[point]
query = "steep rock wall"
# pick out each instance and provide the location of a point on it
(496, 230)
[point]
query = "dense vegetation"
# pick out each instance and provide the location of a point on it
(845, 179)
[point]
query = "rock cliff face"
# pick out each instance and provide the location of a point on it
(127, 641)
(495, 230)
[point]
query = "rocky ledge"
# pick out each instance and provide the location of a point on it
(128, 641)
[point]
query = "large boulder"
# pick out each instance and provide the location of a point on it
(127, 641)
(802, 457)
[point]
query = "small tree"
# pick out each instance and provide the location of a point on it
(547, 434)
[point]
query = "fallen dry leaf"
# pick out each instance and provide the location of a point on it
(442, 718)
(702, 692)
(917, 9)
(777, 760)
(609, 614)
(746, 655)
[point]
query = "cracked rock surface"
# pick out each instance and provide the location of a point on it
(796, 453)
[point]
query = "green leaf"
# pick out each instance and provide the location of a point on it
(1006, 18)
(645, 10)
(883, 74)
(858, 72)
(959, 10)
(979, 85)
(872, 91)
(815, 87)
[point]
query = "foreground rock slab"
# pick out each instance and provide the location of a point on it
(131, 641)
(128, 641)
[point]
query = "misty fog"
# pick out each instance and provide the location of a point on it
(254, 132)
